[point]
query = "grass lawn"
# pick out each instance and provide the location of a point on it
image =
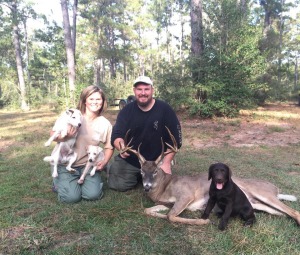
(262, 144)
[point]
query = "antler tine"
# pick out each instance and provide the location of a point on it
(137, 153)
(126, 137)
(174, 148)
(126, 147)
(162, 152)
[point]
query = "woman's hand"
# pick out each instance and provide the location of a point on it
(107, 156)
(101, 165)
(70, 134)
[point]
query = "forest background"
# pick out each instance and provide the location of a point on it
(210, 58)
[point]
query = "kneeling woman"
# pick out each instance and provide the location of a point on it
(96, 130)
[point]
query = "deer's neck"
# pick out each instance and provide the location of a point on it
(162, 183)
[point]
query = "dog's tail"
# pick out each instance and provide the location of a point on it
(287, 197)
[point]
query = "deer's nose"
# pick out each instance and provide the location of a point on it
(147, 187)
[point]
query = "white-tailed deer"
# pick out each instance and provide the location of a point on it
(192, 192)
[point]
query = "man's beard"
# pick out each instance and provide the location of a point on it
(144, 104)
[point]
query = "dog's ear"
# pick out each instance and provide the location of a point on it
(211, 168)
(69, 112)
(229, 171)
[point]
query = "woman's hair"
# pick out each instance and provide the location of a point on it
(86, 93)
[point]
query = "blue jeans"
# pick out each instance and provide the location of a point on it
(69, 191)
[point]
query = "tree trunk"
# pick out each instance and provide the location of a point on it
(197, 45)
(20, 71)
(281, 27)
(74, 25)
(267, 20)
(296, 79)
(27, 55)
(97, 70)
(69, 48)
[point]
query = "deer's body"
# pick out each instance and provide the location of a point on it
(173, 190)
(169, 189)
(192, 192)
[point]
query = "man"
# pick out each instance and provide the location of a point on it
(146, 119)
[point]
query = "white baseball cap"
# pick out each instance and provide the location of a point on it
(144, 80)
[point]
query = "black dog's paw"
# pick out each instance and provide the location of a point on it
(204, 216)
(222, 225)
(249, 223)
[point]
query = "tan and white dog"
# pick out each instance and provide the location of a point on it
(95, 155)
(63, 151)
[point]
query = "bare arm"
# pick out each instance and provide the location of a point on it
(107, 156)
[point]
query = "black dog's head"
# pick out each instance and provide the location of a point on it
(220, 174)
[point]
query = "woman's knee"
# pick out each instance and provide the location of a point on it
(69, 198)
(92, 190)
(93, 196)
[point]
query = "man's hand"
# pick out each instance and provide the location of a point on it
(119, 145)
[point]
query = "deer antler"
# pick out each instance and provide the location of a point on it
(127, 148)
(173, 148)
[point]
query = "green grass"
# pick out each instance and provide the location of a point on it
(32, 221)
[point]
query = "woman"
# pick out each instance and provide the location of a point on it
(94, 130)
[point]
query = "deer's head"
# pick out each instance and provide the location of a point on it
(150, 170)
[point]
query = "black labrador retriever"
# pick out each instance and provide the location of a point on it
(228, 196)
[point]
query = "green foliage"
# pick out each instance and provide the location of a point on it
(213, 109)
(244, 63)
(173, 86)
(231, 64)
(117, 88)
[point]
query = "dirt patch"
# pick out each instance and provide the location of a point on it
(272, 125)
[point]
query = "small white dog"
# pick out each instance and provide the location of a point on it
(63, 151)
(95, 155)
